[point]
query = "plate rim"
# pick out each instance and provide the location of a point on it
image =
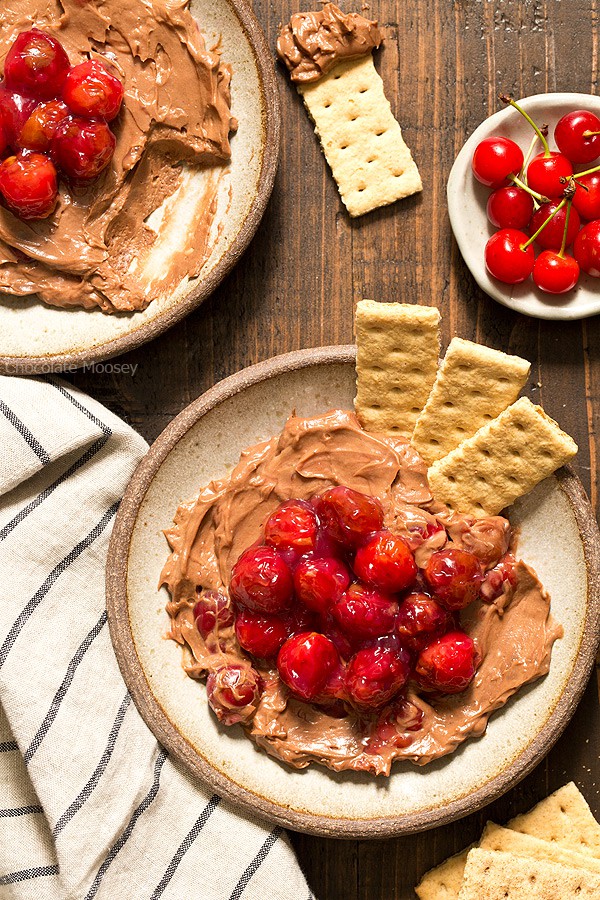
(167, 733)
(453, 194)
(271, 140)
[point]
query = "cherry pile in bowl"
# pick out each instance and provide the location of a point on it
(337, 603)
(53, 121)
(549, 202)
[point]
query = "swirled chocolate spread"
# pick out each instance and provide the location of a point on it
(176, 111)
(510, 623)
(312, 43)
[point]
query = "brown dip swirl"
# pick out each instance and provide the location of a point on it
(312, 43)
(514, 634)
(176, 110)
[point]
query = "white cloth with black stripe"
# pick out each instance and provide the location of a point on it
(90, 805)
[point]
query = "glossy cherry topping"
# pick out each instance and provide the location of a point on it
(455, 577)
(52, 109)
(447, 664)
(376, 674)
(420, 619)
(213, 610)
(386, 562)
(364, 612)
(83, 148)
(92, 91)
(347, 515)
(305, 663)
(262, 581)
(36, 65)
(28, 184)
(292, 526)
(259, 634)
(232, 692)
(320, 582)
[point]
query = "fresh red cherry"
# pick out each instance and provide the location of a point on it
(91, 90)
(455, 577)
(510, 207)
(376, 674)
(363, 612)
(213, 610)
(385, 562)
(259, 634)
(233, 693)
(305, 663)
(319, 583)
(506, 258)
(292, 526)
(261, 581)
(577, 135)
(83, 148)
(495, 159)
(545, 171)
(421, 618)
(28, 185)
(555, 274)
(36, 64)
(587, 196)
(551, 237)
(3, 138)
(586, 248)
(39, 129)
(347, 515)
(15, 109)
(448, 664)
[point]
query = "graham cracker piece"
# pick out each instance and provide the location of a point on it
(490, 875)
(563, 818)
(444, 882)
(502, 461)
(495, 837)
(473, 385)
(398, 348)
(361, 139)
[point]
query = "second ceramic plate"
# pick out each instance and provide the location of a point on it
(467, 200)
(559, 538)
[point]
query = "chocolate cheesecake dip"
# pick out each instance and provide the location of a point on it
(510, 622)
(91, 252)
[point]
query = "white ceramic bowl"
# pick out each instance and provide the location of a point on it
(35, 337)
(559, 538)
(467, 200)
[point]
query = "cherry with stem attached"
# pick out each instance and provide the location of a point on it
(557, 273)
(547, 168)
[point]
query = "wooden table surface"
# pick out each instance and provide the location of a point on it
(443, 64)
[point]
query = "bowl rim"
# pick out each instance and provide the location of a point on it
(455, 198)
(167, 733)
(271, 139)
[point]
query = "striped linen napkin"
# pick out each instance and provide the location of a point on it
(90, 805)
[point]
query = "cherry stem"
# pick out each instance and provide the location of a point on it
(543, 225)
(563, 245)
(509, 100)
(539, 197)
(588, 172)
(589, 134)
(528, 154)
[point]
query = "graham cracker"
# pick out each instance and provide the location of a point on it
(495, 837)
(490, 875)
(502, 461)
(563, 818)
(473, 385)
(361, 139)
(444, 882)
(398, 348)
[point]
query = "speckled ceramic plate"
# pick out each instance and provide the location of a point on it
(38, 338)
(467, 200)
(559, 538)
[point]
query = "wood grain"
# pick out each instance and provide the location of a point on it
(443, 64)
